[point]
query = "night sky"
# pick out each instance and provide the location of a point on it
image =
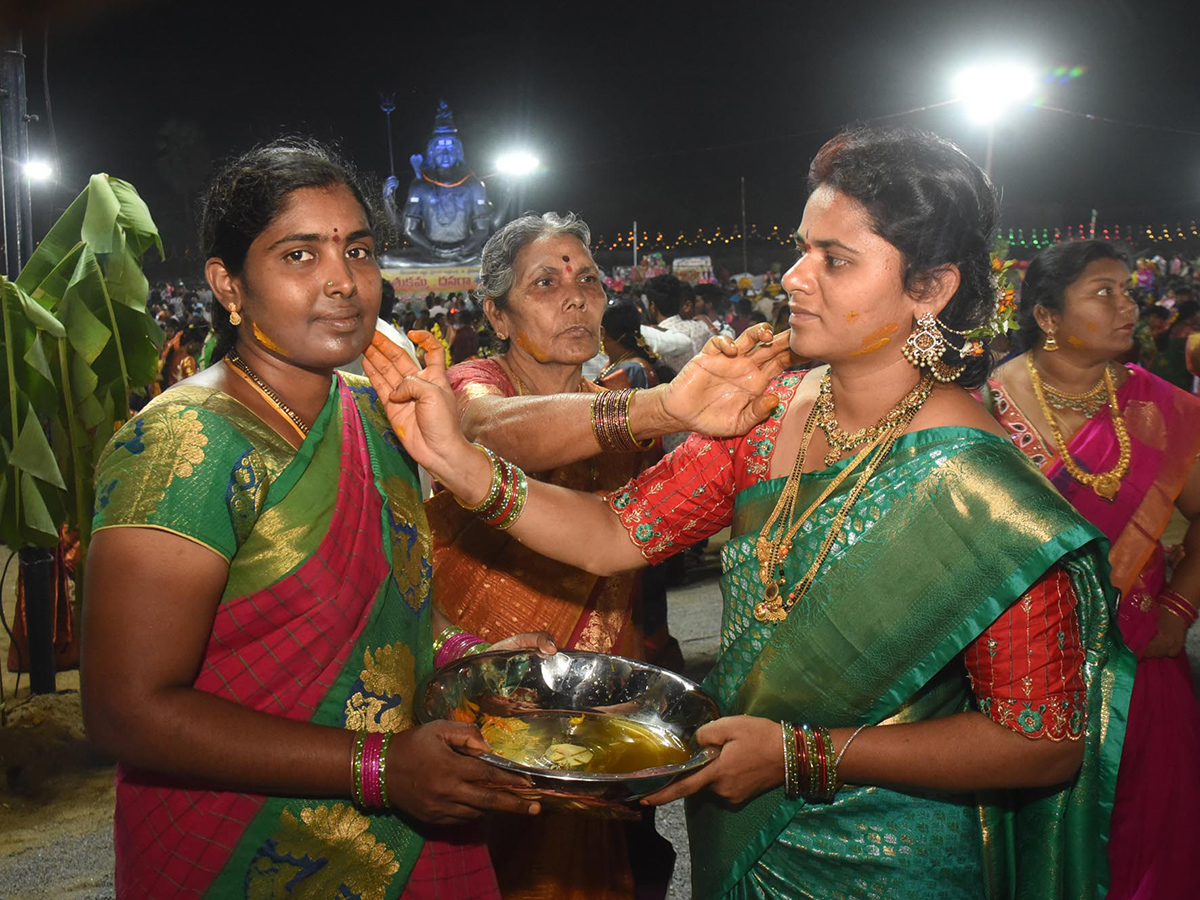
(648, 111)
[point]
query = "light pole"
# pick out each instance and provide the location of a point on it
(388, 105)
(987, 91)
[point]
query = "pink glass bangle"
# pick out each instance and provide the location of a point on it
(457, 646)
(372, 759)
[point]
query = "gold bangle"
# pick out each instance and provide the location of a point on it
(638, 445)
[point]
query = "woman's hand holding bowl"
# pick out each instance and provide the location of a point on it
(749, 761)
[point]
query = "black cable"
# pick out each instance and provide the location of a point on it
(12, 642)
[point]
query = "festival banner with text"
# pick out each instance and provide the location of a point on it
(418, 281)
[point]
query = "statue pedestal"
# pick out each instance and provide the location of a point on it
(413, 280)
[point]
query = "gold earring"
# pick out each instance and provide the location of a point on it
(235, 317)
(925, 348)
(1051, 344)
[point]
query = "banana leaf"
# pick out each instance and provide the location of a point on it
(77, 341)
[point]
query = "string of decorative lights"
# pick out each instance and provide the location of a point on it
(650, 240)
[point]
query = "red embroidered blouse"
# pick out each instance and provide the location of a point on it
(1025, 669)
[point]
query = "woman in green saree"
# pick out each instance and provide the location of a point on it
(258, 586)
(894, 562)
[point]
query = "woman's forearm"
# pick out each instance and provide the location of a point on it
(542, 433)
(196, 736)
(576, 528)
(963, 752)
(1186, 578)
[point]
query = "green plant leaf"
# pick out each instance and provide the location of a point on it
(24, 305)
(31, 452)
(99, 228)
(86, 333)
(57, 243)
(37, 514)
(140, 231)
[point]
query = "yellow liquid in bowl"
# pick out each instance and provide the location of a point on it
(581, 742)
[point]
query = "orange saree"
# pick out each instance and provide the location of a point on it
(493, 586)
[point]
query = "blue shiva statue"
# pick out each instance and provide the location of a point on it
(447, 216)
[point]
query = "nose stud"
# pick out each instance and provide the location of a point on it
(329, 284)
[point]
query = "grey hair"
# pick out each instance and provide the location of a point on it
(496, 273)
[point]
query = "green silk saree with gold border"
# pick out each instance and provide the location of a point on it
(955, 526)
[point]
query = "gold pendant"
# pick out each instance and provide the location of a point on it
(1106, 486)
(769, 611)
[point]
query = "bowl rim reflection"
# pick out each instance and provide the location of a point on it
(701, 757)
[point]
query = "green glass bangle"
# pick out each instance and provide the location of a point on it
(448, 632)
(522, 492)
(356, 768)
(383, 752)
(830, 787)
(494, 489)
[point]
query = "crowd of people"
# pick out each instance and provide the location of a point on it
(951, 659)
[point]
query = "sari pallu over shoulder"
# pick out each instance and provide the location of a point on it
(955, 526)
(333, 628)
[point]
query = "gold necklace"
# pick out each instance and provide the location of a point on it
(242, 368)
(523, 391)
(1089, 402)
(772, 550)
(839, 441)
(612, 366)
(1105, 484)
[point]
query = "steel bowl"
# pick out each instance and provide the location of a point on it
(514, 681)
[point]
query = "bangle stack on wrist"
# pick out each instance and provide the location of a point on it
(369, 769)
(505, 500)
(1179, 605)
(810, 768)
(610, 422)
(454, 643)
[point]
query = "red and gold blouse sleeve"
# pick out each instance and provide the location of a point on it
(1026, 669)
(477, 378)
(686, 497)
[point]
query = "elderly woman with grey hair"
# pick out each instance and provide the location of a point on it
(542, 294)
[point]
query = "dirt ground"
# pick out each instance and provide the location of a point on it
(56, 791)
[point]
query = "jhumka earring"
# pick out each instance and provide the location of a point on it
(235, 317)
(925, 348)
(1051, 344)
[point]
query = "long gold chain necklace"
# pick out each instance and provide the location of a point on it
(1105, 484)
(772, 550)
(1089, 402)
(839, 441)
(240, 367)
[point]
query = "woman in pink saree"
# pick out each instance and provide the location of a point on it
(1120, 444)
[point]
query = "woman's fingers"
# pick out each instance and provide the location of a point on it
(395, 355)
(384, 380)
(684, 787)
(753, 336)
(435, 353)
(502, 801)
